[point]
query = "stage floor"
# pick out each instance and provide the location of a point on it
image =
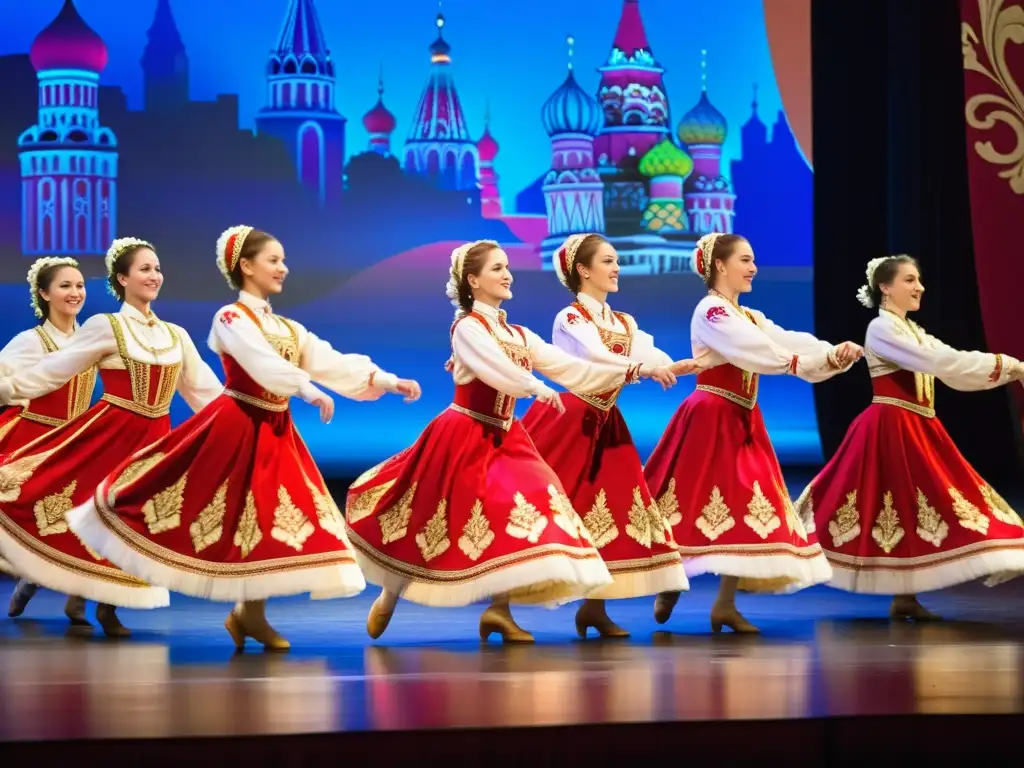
(823, 654)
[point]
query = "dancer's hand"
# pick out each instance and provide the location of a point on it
(326, 405)
(663, 374)
(686, 367)
(848, 352)
(410, 388)
(548, 396)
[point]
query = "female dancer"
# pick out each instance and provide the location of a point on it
(230, 506)
(57, 289)
(714, 471)
(902, 510)
(142, 361)
(474, 478)
(590, 448)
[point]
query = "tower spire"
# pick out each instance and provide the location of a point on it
(704, 69)
(164, 62)
(753, 104)
(570, 41)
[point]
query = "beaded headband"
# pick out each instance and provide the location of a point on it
(565, 257)
(229, 248)
(703, 252)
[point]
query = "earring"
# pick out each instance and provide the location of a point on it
(885, 300)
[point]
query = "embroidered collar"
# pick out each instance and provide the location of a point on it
(255, 303)
(594, 306)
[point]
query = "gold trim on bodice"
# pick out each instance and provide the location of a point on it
(750, 382)
(285, 346)
(140, 375)
(79, 389)
(605, 401)
(924, 384)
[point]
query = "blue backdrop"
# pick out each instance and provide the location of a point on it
(372, 138)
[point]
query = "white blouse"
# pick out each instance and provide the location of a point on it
(579, 337)
(894, 343)
(722, 330)
(233, 333)
(26, 349)
(476, 355)
(147, 340)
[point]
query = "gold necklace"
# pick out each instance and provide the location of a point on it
(154, 351)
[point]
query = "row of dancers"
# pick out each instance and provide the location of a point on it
(108, 503)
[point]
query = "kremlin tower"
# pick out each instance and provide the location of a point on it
(487, 150)
(68, 160)
(710, 204)
(439, 146)
(380, 123)
(573, 192)
(632, 93)
(301, 90)
(164, 63)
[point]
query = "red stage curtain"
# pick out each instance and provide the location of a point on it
(992, 35)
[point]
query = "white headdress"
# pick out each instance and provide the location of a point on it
(565, 257)
(455, 273)
(229, 249)
(33, 276)
(702, 254)
(116, 250)
(864, 292)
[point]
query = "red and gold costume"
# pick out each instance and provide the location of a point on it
(23, 423)
(590, 449)
(471, 510)
(142, 362)
(898, 509)
(714, 472)
(230, 506)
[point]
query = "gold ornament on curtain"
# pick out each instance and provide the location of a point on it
(998, 26)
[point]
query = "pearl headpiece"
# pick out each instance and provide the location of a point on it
(117, 249)
(33, 276)
(703, 252)
(229, 249)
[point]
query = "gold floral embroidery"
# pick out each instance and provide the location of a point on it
(762, 517)
(716, 517)
(433, 539)
(565, 515)
(248, 534)
(599, 521)
(477, 534)
(844, 526)
(18, 472)
(887, 531)
(971, 518)
(50, 511)
(661, 531)
(525, 521)
(364, 504)
(163, 512)
(135, 470)
(291, 526)
(208, 526)
(669, 504)
(327, 512)
(394, 523)
(999, 26)
(930, 525)
(639, 526)
(997, 505)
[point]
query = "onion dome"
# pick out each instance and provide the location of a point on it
(570, 109)
(703, 124)
(487, 147)
(68, 43)
(666, 159)
(379, 119)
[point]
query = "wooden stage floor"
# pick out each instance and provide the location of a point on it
(824, 657)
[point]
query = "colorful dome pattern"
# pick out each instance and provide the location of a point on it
(703, 124)
(68, 43)
(570, 109)
(666, 159)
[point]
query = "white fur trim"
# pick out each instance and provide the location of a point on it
(996, 566)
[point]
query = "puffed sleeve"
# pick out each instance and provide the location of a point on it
(800, 342)
(580, 338)
(353, 376)
(576, 374)
(750, 348)
(894, 341)
(197, 384)
(23, 350)
(474, 347)
(644, 350)
(91, 343)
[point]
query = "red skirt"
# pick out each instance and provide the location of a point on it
(229, 506)
(593, 455)
(900, 511)
(42, 481)
(469, 512)
(16, 432)
(716, 478)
